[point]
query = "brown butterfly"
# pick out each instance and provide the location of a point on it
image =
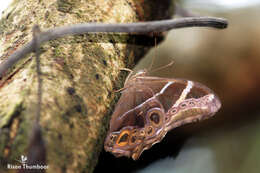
(151, 106)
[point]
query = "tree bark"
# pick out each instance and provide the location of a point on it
(80, 74)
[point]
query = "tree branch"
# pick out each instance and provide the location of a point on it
(141, 27)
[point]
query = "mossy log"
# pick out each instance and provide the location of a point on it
(80, 74)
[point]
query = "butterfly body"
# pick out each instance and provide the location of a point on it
(149, 107)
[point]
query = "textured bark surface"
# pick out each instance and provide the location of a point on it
(80, 74)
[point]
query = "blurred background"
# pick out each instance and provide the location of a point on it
(4, 5)
(228, 62)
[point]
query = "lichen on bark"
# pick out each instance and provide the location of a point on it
(80, 74)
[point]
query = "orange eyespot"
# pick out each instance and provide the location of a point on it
(123, 138)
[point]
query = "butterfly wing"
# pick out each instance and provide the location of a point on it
(151, 106)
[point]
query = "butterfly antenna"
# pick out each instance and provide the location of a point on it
(160, 68)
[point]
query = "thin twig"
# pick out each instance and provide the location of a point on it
(36, 41)
(141, 27)
(37, 149)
